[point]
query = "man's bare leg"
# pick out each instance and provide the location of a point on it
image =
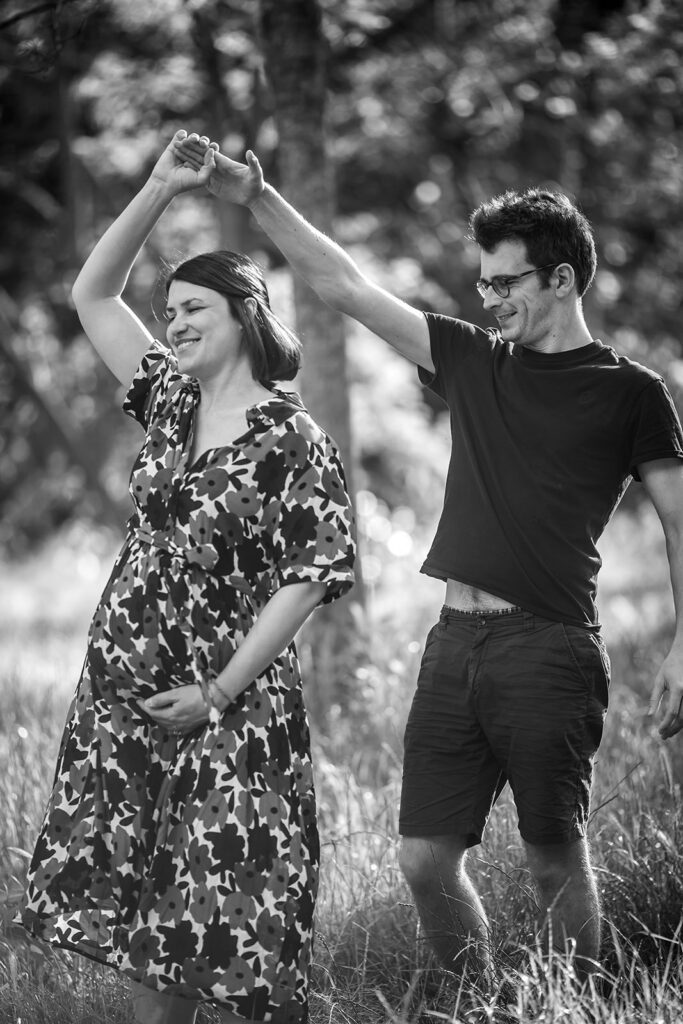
(569, 900)
(450, 911)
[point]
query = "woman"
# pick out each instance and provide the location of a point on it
(179, 844)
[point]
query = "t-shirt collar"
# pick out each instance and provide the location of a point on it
(559, 360)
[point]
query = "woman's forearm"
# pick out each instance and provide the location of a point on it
(275, 628)
(106, 270)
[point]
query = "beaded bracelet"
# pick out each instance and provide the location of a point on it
(214, 712)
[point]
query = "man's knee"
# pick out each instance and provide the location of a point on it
(556, 866)
(425, 861)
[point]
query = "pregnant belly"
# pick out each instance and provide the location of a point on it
(135, 651)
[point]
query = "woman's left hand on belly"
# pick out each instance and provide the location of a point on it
(179, 710)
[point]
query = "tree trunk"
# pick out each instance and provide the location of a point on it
(69, 232)
(234, 221)
(294, 55)
(294, 48)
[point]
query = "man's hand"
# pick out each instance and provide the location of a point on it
(175, 172)
(668, 693)
(179, 710)
(228, 179)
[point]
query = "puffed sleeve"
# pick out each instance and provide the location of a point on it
(148, 391)
(313, 531)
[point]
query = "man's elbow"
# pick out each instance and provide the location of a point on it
(343, 292)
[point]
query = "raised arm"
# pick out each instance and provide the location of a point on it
(121, 339)
(323, 264)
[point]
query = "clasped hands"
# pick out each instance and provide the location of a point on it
(193, 161)
(180, 710)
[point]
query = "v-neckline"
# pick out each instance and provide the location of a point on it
(192, 461)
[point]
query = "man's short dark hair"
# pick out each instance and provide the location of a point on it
(550, 226)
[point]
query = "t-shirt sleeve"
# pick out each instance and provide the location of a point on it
(313, 535)
(656, 432)
(451, 342)
(148, 390)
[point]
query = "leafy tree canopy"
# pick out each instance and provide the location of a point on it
(432, 107)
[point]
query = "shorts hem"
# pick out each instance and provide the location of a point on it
(567, 837)
(473, 837)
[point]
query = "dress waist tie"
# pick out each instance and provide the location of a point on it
(204, 556)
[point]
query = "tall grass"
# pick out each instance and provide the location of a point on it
(371, 963)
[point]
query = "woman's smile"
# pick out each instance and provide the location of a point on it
(185, 343)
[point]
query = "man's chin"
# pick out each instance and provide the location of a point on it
(509, 332)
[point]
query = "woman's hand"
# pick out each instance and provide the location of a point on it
(228, 179)
(177, 173)
(179, 710)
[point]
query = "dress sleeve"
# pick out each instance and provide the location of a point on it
(148, 391)
(656, 432)
(313, 534)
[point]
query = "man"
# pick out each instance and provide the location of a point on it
(548, 425)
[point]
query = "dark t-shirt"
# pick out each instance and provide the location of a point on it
(543, 449)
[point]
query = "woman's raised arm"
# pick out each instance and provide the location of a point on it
(121, 339)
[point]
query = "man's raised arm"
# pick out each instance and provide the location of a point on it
(323, 264)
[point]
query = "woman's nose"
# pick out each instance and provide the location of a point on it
(176, 329)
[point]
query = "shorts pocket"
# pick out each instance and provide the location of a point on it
(589, 654)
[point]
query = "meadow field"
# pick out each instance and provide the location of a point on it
(371, 965)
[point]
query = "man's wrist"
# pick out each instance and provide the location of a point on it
(258, 200)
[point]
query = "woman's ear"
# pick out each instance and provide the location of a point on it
(251, 304)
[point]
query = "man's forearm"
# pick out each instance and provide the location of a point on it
(321, 262)
(674, 551)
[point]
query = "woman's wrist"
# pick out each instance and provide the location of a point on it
(158, 191)
(219, 697)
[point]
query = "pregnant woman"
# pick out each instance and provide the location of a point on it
(179, 845)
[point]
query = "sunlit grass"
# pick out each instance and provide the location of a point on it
(371, 964)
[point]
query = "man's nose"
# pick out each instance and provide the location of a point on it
(491, 298)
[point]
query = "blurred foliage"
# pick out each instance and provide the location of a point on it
(432, 106)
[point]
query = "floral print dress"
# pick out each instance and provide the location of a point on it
(190, 863)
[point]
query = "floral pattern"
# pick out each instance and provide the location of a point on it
(190, 863)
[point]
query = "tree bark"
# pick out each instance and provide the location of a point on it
(294, 53)
(234, 221)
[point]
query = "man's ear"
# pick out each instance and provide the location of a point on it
(566, 279)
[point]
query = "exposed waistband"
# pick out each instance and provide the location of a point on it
(479, 612)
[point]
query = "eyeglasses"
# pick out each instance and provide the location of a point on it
(501, 285)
